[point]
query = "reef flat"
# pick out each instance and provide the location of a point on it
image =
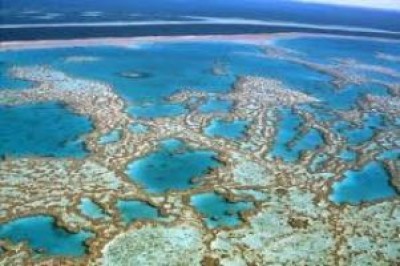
(227, 153)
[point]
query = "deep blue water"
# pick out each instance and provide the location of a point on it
(368, 184)
(218, 211)
(43, 129)
(43, 235)
(290, 11)
(327, 50)
(171, 167)
(133, 210)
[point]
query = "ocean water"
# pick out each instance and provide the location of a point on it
(233, 130)
(134, 210)
(43, 236)
(370, 183)
(43, 129)
(327, 50)
(173, 166)
(218, 211)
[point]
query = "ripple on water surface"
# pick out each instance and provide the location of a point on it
(42, 235)
(218, 211)
(370, 183)
(45, 129)
(172, 167)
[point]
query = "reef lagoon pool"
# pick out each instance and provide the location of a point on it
(43, 235)
(43, 129)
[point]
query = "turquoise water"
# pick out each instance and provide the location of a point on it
(216, 106)
(134, 210)
(390, 155)
(232, 130)
(156, 110)
(91, 209)
(7, 82)
(171, 67)
(289, 142)
(318, 111)
(218, 211)
(173, 166)
(138, 128)
(370, 183)
(43, 129)
(111, 137)
(43, 235)
(192, 65)
(348, 155)
(372, 122)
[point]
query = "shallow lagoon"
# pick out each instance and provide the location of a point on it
(356, 135)
(216, 106)
(43, 235)
(91, 209)
(232, 130)
(368, 184)
(133, 210)
(111, 137)
(149, 111)
(173, 166)
(7, 82)
(289, 141)
(218, 211)
(43, 129)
